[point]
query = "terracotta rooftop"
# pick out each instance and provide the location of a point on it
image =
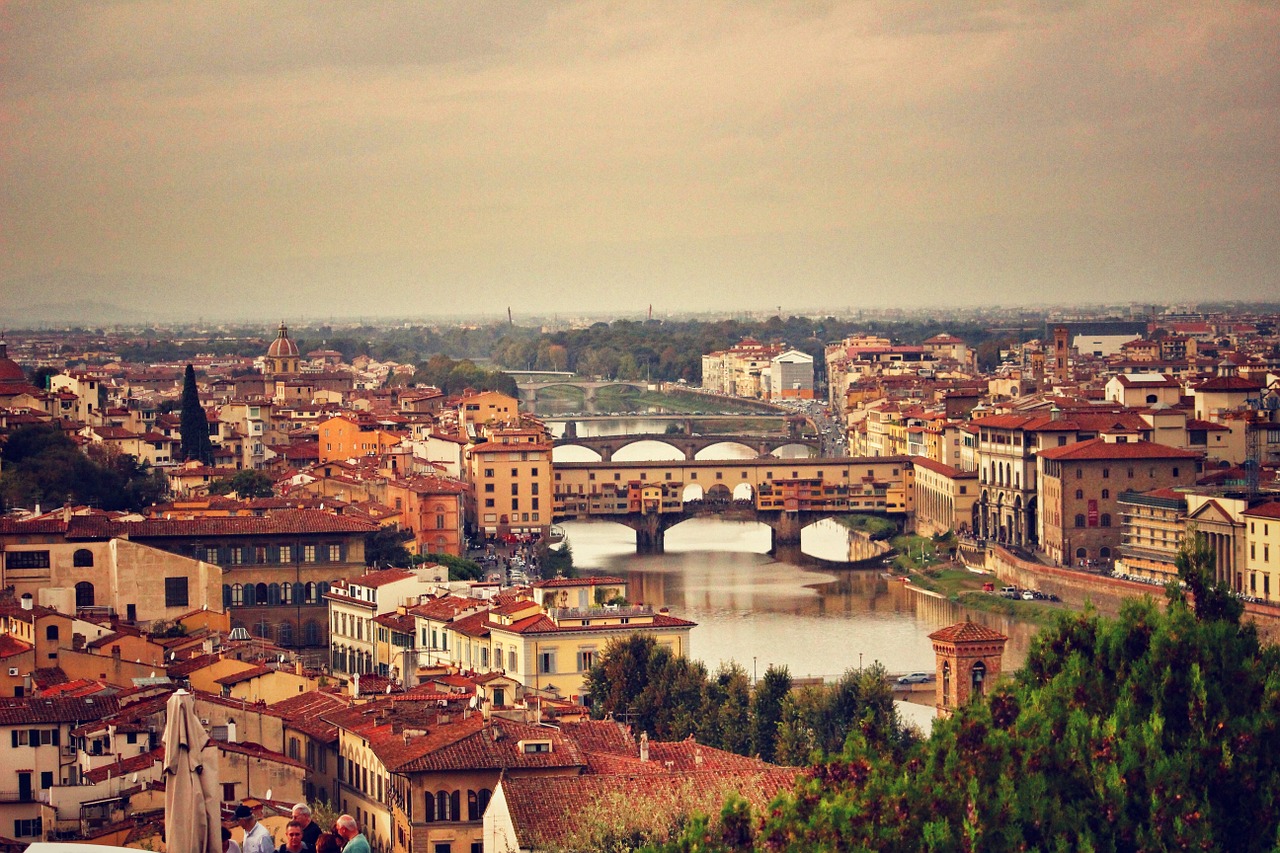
(967, 632)
(1097, 448)
(590, 580)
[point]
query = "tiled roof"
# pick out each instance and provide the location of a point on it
(596, 580)
(967, 632)
(11, 645)
(547, 811)
(257, 750)
(305, 713)
(292, 521)
(940, 468)
(542, 624)
(381, 577)
(244, 675)
(1266, 510)
(1227, 383)
(125, 766)
(1097, 448)
(20, 711)
(496, 746)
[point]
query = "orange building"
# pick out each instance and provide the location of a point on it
(511, 477)
(347, 436)
(433, 509)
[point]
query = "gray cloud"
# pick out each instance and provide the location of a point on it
(403, 158)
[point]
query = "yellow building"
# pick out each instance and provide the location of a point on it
(487, 407)
(1262, 551)
(554, 649)
(511, 478)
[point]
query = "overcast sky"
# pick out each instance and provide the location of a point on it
(308, 159)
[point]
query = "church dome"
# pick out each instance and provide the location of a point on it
(282, 346)
(10, 372)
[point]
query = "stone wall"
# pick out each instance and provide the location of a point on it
(1106, 593)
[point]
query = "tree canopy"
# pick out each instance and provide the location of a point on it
(1153, 731)
(43, 466)
(194, 423)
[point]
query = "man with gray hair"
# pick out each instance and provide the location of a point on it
(310, 829)
(350, 832)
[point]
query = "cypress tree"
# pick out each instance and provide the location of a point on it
(195, 424)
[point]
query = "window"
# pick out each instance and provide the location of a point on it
(978, 675)
(1079, 473)
(308, 553)
(1106, 519)
(176, 592)
(1106, 493)
(1079, 519)
(286, 553)
(27, 828)
(488, 487)
(228, 792)
(51, 632)
(1106, 473)
(1079, 494)
(84, 592)
(27, 560)
(82, 558)
(1175, 472)
(547, 662)
(586, 659)
(488, 503)
(488, 472)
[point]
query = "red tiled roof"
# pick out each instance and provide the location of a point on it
(547, 811)
(1097, 448)
(382, 577)
(1227, 383)
(29, 709)
(291, 521)
(590, 580)
(125, 766)
(1270, 509)
(11, 645)
(305, 712)
(496, 746)
(967, 632)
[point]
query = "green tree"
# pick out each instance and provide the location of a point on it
(194, 424)
(385, 547)
(766, 710)
(460, 568)
(1211, 598)
(247, 484)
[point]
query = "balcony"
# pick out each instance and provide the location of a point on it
(559, 614)
(21, 796)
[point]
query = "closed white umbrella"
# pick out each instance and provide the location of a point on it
(192, 806)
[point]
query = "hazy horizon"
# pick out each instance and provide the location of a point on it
(374, 160)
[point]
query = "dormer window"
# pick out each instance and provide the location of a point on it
(532, 746)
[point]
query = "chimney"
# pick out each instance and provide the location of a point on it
(27, 602)
(297, 667)
(66, 513)
(231, 731)
(644, 746)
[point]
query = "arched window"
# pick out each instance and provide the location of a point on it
(311, 633)
(1081, 553)
(1105, 520)
(84, 594)
(1152, 398)
(51, 632)
(978, 675)
(273, 594)
(82, 558)
(1104, 553)
(286, 593)
(311, 593)
(285, 637)
(237, 594)
(1079, 494)
(447, 805)
(483, 795)
(473, 806)
(250, 595)
(1079, 519)
(262, 594)
(946, 682)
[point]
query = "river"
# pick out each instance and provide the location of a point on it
(816, 620)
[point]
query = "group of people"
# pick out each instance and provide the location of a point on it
(301, 834)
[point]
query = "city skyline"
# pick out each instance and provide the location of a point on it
(596, 158)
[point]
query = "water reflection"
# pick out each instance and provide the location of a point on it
(760, 611)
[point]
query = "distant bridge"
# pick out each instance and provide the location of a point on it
(589, 387)
(689, 445)
(786, 494)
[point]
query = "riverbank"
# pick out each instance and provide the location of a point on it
(961, 585)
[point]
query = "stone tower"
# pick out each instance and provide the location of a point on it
(1061, 355)
(968, 657)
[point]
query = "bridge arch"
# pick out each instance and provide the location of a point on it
(719, 446)
(692, 492)
(647, 450)
(568, 452)
(744, 492)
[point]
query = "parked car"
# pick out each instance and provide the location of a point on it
(916, 678)
(1028, 595)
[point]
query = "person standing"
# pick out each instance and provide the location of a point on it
(293, 842)
(350, 832)
(310, 829)
(256, 837)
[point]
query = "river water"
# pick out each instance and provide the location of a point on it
(798, 612)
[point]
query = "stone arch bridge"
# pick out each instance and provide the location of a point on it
(689, 445)
(529, 390)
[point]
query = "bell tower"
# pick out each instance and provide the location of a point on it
(968, 656)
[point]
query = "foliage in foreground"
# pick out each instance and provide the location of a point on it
(670, 698)
(1153, 731)
(40, 465)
